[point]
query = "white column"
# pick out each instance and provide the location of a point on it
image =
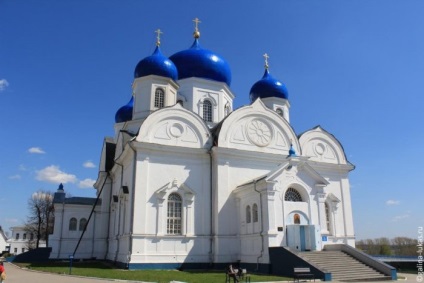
(321, 212)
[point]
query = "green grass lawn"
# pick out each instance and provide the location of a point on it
(103, 270)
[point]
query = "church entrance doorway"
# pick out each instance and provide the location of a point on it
(302, 237)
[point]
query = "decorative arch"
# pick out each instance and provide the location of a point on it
(257, 128)
(175, 126)
(321, 146)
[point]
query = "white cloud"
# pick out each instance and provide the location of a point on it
(15, 177)
(392, 202)
(22, 167)
(36, 150)
(400, 217)
(89, 164)
(86, 183)
(3, 84)
(52, 174)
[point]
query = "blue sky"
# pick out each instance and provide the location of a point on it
(354, 67)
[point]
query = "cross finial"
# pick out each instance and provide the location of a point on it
(196, 28)
(266, 61)
(158, 33)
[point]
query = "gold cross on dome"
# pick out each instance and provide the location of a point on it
(196, 24)
(158, 32)
(196, 32)
(266, 60)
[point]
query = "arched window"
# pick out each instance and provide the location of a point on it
(207, 111)
(159, 98)
(292, 195)
(83, 221)
(174, 214)
(73, 224)
(296, 219)
(248, 216)
(327, 217)
(280, 112)
(255, 212)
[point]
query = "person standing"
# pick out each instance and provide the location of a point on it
(2, 273)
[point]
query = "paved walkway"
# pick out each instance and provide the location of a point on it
(18, 275)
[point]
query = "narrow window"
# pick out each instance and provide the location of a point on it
(31, 236)
(17, 236)
(207, 111)
(24, 236)
(23, 250)
(82, 224)
(327, 217)
(174, 214)
(227, 109)
(255, 212)
(248, 216)
(15, 250)
(159, 98)
(292, 195)
(73, 224)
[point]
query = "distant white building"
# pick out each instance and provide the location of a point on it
(19, 242)
(4, 246)
(189, 180)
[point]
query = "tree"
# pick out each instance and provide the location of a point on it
(41, 218)
(383, 246)
(405, 246)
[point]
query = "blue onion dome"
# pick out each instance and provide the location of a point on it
(201, 63)
(268, 86)
(156, 64)
(125, 113)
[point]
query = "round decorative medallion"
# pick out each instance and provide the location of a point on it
(176, 130)
(320, 148)
(259, 133)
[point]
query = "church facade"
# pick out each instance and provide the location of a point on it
(189, 180)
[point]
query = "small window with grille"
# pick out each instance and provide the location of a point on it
(207, 111)
(159, 98)
(174, 214)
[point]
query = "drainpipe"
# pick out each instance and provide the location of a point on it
(119, 213)
(132, 200)
(211, 253)
(262, 225)
(108, 222)
(61, 230)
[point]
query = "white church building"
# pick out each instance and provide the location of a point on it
(188, 180)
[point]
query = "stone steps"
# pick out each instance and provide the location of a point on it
(342, 266)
